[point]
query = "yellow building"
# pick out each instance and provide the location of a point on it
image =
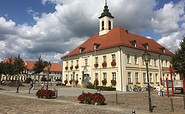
(115, 54)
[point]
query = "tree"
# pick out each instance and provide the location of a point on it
(19, 65)
(178, 60)
(39, 66)
(2, 69)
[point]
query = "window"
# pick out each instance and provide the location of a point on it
(96, 75)
(109, 25)
(129, 77)
(77, 62)
(86, 62)
(166, 63)
(162, 63)
(67, 63)
(71, 63)
(102, 25)
(137, 77)
(66, 77)
(76, 76)
(72, 77)
(105, 76)
(113, 57)
(143, 62)
(96, 60)
(155, 62)
(128, 58)
(151, 78)
(136, 59)
(150, 62)
(113, 75)
(144, 78)
(104, 59)
(156, 78)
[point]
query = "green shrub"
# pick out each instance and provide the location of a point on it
(90, 85)
(43, 79)
(58, 84)
(106, 88)
(28, 80)
(58, 79)
(96, 83)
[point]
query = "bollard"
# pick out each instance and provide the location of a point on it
(116, 98)
(17, 89)
(29, 90)
(133, 112)
(172, 108)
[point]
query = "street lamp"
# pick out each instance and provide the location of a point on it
(146, 57)
(48, 66)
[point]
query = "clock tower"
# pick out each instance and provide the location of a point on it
(105, 21)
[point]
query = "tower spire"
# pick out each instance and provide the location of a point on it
(105, 2)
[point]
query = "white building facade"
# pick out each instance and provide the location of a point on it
(116, 54)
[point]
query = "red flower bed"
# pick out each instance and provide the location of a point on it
(89, 98)
(45, 93)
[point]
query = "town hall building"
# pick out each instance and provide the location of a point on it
(116, 54)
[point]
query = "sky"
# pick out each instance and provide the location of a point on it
(52, 28)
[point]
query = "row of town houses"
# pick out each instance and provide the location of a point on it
(55, 72)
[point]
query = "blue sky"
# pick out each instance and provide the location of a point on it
(52, 28)
(18, 10)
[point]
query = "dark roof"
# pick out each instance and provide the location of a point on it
(119, 37)
(106, 12)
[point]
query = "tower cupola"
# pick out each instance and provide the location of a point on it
(106, 21)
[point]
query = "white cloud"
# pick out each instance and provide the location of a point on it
(166, 19)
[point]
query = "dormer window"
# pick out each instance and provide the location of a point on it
(163, 49)
(96, 46)
(145, 45)
(81, 49)
(133, 43)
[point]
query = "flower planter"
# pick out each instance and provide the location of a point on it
(95, 65)
(113, 63)
(104, 82)
(66, 68)
(113, 82)
(46, 94)
(76, 67)
(104, 64)
(66, 81)
(89, 98)
(71, 67)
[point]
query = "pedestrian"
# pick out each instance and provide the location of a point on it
(158, 90)
(42, 85)
(161, 90)
(33, 81)
(31, 85)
